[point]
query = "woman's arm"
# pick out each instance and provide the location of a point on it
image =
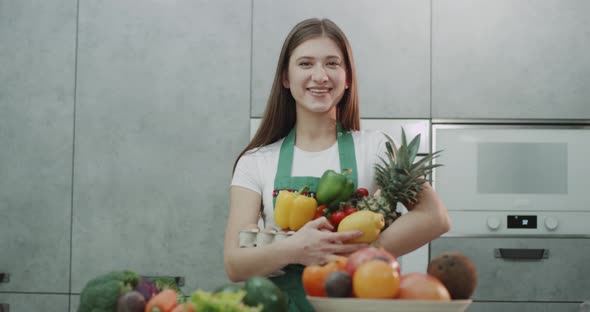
(311, 244)
(427, 220)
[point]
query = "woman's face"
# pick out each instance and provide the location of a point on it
(316, 75)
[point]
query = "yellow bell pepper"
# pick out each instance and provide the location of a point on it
(293, 209)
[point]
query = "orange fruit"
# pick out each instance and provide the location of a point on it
(375, 279)
(422, 286)
(314, 276)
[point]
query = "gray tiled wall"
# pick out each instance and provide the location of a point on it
(34, 302)
(160, 112)
(37, 52)
(125, 117)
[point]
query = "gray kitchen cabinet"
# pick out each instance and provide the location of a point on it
(390, 42)
(151, 152)
(33, 302)
(36, 120)
(510, 59)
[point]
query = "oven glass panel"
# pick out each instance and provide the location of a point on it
(519, 168)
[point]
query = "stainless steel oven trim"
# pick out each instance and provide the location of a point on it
(559, 236)
(584, 123)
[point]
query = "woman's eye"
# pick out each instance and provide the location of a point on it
(305, 64)
(333, 63)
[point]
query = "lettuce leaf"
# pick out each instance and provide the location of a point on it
(221, 302)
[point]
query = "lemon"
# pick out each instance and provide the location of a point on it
(368, 222)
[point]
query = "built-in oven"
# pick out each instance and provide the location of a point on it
(519, 203)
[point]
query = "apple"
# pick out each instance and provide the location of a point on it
(370, 253)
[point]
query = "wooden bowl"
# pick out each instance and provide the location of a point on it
(322, 304)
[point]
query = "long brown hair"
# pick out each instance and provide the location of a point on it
(279, 116)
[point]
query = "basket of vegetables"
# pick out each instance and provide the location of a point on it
(127, 291)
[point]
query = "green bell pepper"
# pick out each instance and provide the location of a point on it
(334, 188)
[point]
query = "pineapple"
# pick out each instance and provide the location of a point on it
(378, 204)
(399, 178)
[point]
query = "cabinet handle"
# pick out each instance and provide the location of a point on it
(521, 253)
(4, 307)
(4, 277)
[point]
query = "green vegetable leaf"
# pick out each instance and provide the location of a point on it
(221, 302)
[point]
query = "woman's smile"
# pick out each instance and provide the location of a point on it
(319, 91)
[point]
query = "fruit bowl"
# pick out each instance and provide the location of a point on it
(321, 304)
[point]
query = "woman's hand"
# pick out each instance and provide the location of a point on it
(315, 242)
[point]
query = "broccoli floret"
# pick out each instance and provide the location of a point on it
(101, 293)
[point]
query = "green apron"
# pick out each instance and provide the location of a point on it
(290, 282)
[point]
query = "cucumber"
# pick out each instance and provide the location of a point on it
(260, 290)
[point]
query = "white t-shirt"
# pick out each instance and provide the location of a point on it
(257, 168)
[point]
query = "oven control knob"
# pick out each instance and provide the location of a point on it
(493, 223)
(551, 223)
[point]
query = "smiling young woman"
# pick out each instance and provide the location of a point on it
(310, 125)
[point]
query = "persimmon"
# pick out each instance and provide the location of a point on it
(314, 276)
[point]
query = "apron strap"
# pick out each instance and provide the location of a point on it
(345, 150)
(286, 157)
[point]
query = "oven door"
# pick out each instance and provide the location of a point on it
(503, 167)
(517, 273)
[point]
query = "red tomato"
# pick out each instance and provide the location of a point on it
(362, 192)
(320, 211)
(336, 217)
(349, 209)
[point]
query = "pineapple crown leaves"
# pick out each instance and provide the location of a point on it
(399, 176)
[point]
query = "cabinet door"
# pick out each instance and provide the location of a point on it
(11, 302)
(510, 59)
(36, 120)
(154, 145)
(390, 42)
